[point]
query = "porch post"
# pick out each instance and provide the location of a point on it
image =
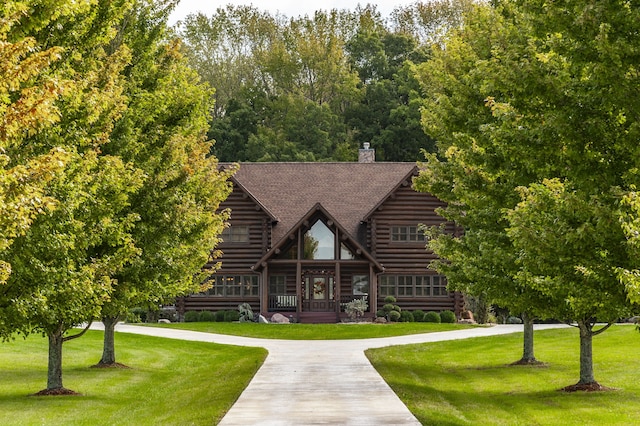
(298, 288)
(373, 290)
(337, 294)
(264, 294)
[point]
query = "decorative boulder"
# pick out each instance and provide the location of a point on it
(164, 321)
(279, 319)
(380, 320)
(263, 320)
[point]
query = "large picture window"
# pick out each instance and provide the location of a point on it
(413, 286)
(319, 242)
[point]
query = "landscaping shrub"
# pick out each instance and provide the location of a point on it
(206, 316)
(394, 316)
(418, 315)
(220, 316)
(246, 313)
(387, 308)
(381, 314)
(406, 316)
(390, 299)
(356, 308)
(191, 316)
(231, 316)
(447, 317)
(432, 317)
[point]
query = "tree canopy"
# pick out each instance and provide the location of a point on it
(104, 167)
(315, 88)
(530, 105)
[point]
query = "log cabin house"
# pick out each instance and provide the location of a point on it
(306, 238)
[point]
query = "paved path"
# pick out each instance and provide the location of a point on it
(319, 382)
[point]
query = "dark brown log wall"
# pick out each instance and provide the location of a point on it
(240, 257)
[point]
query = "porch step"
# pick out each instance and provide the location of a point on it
(318, 317)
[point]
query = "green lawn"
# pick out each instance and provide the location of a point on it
(467, 382)
(470, 382)
(314, 331)
(170, 382)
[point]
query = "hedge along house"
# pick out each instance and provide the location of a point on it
(306, 238)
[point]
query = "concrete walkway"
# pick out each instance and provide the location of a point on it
(319, 382)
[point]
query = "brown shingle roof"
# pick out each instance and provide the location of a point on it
(348, 191)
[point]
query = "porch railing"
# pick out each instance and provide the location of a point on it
(283, 303)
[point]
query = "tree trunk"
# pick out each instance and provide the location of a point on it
(108, 348)
(586, 354)
(54, 372)
(528, 356)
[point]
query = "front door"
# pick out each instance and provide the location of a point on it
(319, 293)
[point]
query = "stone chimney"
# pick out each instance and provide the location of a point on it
(366, 154)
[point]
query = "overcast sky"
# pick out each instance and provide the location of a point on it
(290, 8)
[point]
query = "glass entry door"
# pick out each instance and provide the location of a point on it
(319, 293)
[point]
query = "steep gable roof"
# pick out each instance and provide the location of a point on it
(318, 208)
(348, 191)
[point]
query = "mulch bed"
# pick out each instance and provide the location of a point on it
(111, 365)
(534, 363)
(587, 387)
(57, 392)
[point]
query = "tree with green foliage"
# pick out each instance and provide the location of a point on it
(63, 263)
(471, 173)
(27, 95)
(530, 104)
(162, 133)
(314, 88)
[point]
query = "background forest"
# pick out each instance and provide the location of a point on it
(314, 88)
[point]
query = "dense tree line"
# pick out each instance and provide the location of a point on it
(315, 88)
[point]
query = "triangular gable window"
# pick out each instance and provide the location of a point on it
(319, 242)
(345, 253)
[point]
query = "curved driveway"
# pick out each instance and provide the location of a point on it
(319, 382)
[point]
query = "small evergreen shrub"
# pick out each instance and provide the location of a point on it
(447, 317)
(381, 314)
(394, 316)
(418, 315)
(191, 316)
(231, 316)
(390, 299)
(387, 307)
(406, 316)
(220, 316)
(206, 316)
(432, 317)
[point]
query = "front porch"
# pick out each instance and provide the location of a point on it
(334, 311)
